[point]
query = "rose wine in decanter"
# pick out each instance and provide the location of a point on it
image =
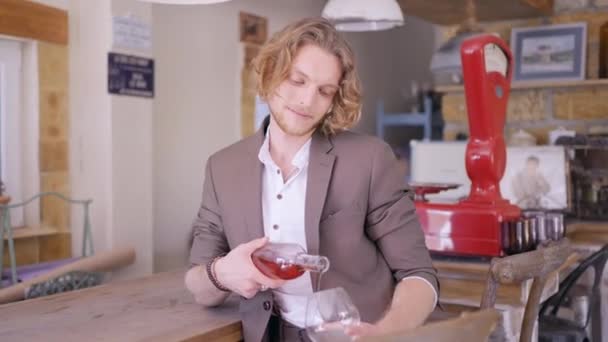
(287, 261)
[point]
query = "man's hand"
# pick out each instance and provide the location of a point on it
(401, 316)
(363, 330)
(355, 331)
(237, 272)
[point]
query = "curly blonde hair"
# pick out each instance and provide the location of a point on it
(273, 64)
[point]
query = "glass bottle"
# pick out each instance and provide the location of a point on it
(287, 261)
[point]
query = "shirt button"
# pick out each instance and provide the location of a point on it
(279, 196)
(266, 305)
(275, 227)
(278, 172)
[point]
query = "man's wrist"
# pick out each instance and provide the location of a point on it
(212, 275)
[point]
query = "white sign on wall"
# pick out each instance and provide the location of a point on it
(131, 33)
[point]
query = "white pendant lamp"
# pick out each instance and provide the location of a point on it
(184, 2)
(363, 15)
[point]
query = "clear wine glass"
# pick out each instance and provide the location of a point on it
(328, 313)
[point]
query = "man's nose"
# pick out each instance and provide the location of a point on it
(307, 97)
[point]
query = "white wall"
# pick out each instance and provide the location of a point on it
(388, 61)
(90, 125)
(62, 4)
(110, 138)
(132, 161)
(198, 59)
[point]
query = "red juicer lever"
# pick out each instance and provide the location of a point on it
(487, 65)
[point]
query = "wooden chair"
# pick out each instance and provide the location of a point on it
(475, 326)
(552, 326)
(539, 265)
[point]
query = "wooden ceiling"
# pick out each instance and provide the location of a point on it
(453, 12)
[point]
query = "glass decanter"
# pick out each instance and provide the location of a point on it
(287, 261)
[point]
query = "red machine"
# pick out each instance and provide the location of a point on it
(474, 226)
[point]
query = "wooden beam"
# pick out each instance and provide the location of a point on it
(545, 6)
(453, 12)
(31, 20)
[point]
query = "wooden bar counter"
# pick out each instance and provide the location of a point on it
(152, 308)
(593, 233)
(159, 308)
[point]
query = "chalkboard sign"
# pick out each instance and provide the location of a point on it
(130, 75)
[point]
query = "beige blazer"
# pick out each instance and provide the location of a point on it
(358, 213)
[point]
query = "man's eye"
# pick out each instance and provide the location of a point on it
(327, 93)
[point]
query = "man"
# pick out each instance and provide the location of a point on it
(529, 185)
(304, 178)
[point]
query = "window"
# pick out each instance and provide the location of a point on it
(10, 123)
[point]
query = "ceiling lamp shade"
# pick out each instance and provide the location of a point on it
(363, 15)
(184, 2)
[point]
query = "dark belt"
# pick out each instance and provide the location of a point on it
(282, 331)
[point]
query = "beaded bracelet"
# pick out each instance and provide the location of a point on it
(211, 274)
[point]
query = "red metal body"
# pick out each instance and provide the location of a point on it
(473, 226)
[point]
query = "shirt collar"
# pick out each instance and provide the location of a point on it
(300, 159)
(264, 153)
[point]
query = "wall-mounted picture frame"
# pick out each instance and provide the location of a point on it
(550, 52)
(253, 28)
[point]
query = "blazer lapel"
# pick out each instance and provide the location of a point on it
(320, 167)
(252, 188)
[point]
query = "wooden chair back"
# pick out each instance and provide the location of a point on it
(538, 265)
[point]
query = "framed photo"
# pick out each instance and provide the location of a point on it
(549, 53)
(536, 177)
(253, 28)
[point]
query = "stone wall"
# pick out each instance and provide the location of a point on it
(52, 240)
(54, 132)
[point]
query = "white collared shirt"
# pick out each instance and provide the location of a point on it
(283, 208)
